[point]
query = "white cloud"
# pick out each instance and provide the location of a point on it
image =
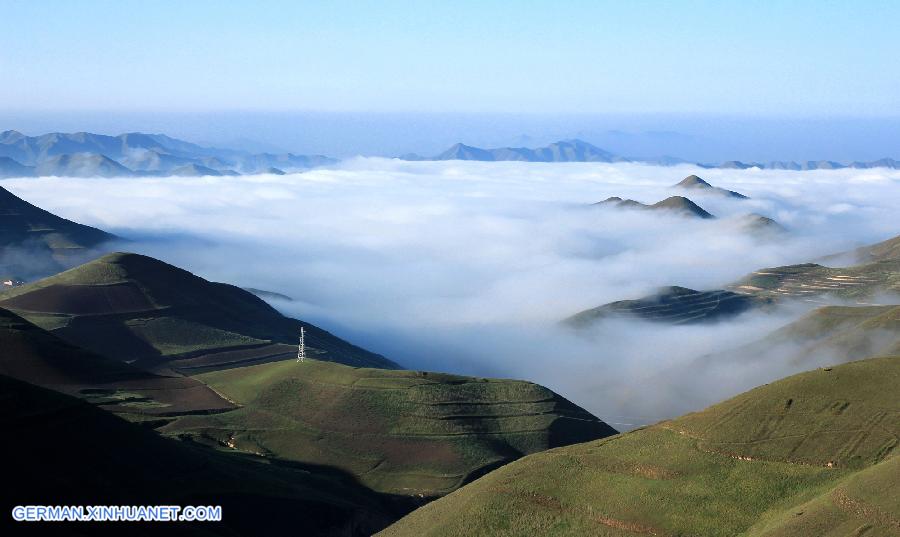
(468, 266)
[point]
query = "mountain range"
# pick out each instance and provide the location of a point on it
(84, 154)
(575, 150)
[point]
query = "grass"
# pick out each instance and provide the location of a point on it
(400, 432)
(63, 451)
(749, 463)
(138, 309)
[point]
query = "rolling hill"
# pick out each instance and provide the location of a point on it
(673, 305)
(406, 433)
(815, 450)
(161, 318)
(809, 282)
(36, 356)
(63, 451)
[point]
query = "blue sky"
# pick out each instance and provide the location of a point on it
(777, 59)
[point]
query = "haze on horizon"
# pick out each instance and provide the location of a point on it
(698, 80)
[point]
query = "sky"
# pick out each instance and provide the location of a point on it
(745, 58)
(469, 267)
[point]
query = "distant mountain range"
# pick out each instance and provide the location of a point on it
(83, 154)
(580, 151)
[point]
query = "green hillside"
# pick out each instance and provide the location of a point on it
(35, 242)
(34, 355)
(162, 318)
(840, 331)
(673, 305)
(62, 451)
(800, 453)
(402, 432)
(810, 281)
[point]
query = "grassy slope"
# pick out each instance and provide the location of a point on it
(810, 281)
(674, 305)
(133, 307)
(34, 355)
(22, 222)
(402, 432)
(841, 331)
(749, 462)
(62, 451)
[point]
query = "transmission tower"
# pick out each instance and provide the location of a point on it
(301, 348)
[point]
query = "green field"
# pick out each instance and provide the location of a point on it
(401, 432)
(814, 450)
(63, 451)
(162, 318)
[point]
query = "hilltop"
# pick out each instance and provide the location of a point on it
(406, 433)
(63, 451)
(673, 305)
(162, 318)
(676, 204)
(815, 450)
(693, 182)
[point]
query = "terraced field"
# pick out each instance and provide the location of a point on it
(164, 319)
(812, 283)
(33, 355)
(867, 284)
(816, 450)
(400, 432)
(59, 450)
(673, 305)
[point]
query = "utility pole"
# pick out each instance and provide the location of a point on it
(301, 348)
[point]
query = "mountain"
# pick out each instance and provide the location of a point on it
(11, 168)
(35, 242)
(81, 165)
(84, 154)
(758, 223)
(682, 205)
(675, 204)
(36, 356)
(195, 170)
(405, 433)
(693, 182)
(138, 309)
(562, 151)
(672, 305)
(63, 451)
(812, 454)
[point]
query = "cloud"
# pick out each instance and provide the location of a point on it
(468, 266)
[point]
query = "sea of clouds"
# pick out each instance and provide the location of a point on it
(468, 267)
